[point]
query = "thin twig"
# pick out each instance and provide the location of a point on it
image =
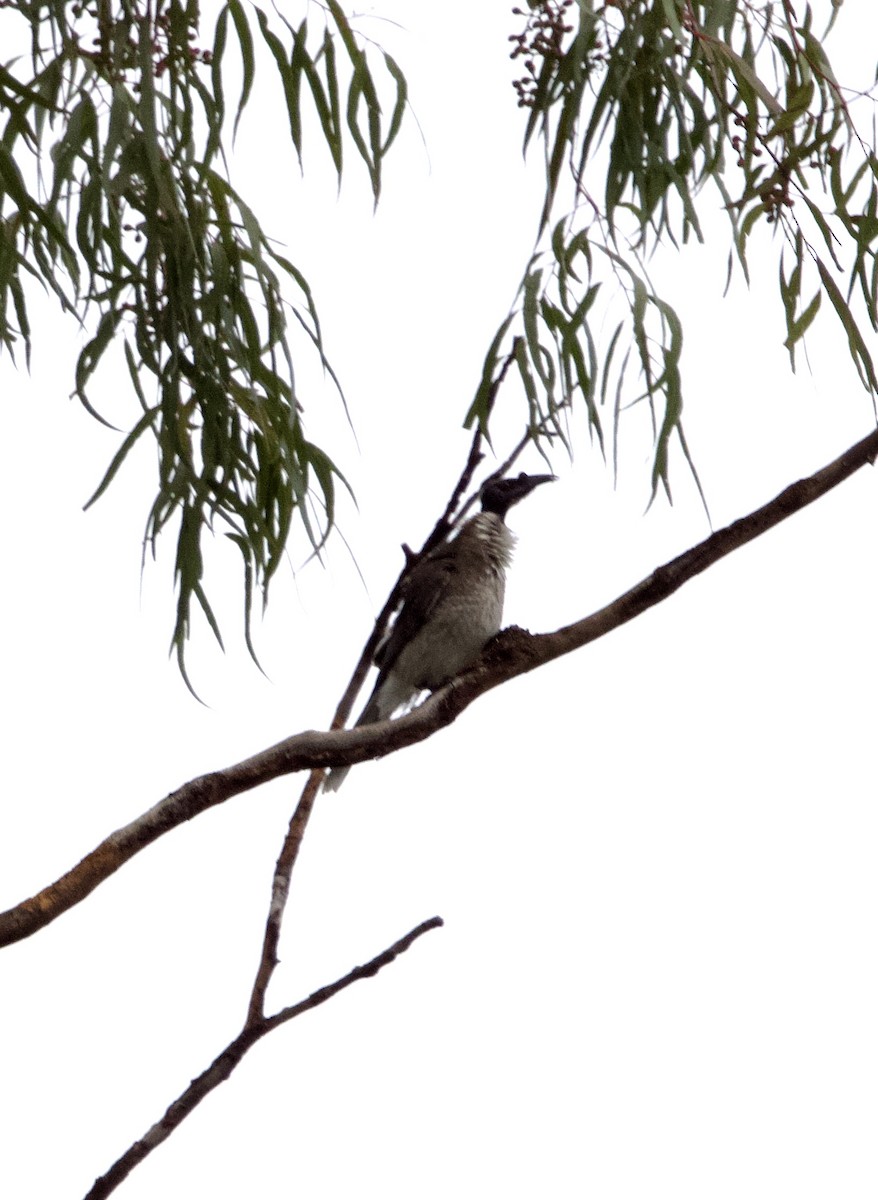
(280, 891)
(224, 1063)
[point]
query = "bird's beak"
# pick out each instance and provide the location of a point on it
(527, 483)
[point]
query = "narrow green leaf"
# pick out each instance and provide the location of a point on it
(747, 75)
(673, 18)
(560, 149)
(859, 351)
(479, 409)
(290, 72)
(400, 104)
(142, 425)
(332, 90)
(12, 181)
(522, 361)
(92, 352)
(798, 327)
(245, 42)
(529, 312)
(134, 374)
(355, 54)
(355, 94)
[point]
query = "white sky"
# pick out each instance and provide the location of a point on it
(655, 859)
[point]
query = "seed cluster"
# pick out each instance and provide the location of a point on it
(114, 49)
(542, 38)
(775, 195)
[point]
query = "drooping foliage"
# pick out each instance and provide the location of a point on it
(648, 115)
(116, 198)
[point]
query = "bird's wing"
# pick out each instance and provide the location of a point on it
(423, 590)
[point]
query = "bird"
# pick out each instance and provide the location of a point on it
(452, 605)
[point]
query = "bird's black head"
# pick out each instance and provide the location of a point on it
(499, 495)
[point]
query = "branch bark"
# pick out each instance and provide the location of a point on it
(514, 652)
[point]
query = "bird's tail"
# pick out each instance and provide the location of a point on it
(387, 697)
(370, 714)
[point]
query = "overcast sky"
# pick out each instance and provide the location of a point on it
(655, 859)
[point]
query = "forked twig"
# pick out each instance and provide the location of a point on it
(225, 1062)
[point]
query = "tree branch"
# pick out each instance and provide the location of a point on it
(513, 652)
(280, 891)
(225, 1062)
